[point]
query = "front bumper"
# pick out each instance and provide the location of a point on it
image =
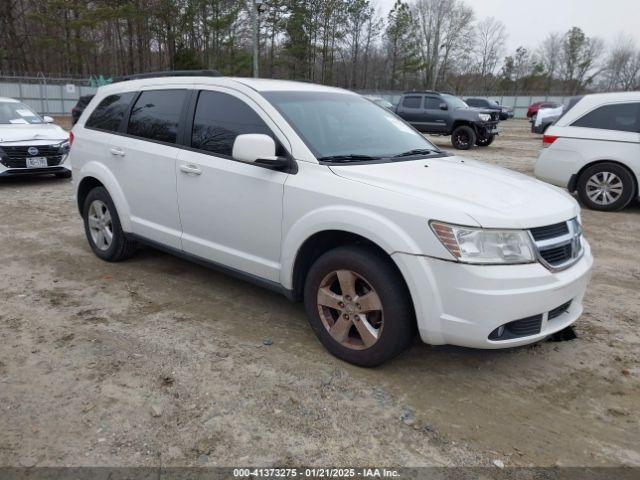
(63, 167)
(462, 304)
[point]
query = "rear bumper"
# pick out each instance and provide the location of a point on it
(557, 166)
(462, 304)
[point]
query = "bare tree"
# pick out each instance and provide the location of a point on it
(549, 55)
(490, 40)
(622, 71)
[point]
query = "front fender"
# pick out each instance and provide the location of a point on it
(105, 176)
(360, 221)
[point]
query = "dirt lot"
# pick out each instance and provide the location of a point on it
(157, 361)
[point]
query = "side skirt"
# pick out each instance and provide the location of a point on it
(247, 277)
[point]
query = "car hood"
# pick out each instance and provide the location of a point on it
(495, 197)
(18, 133)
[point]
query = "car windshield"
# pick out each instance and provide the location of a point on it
(17, 113)
(454, 102)
(347, 127)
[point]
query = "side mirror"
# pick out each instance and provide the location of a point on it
(258, 148)
(444, 106)
(48, 119)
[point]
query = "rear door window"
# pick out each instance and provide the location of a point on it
(156, 114)
(219, 119)
(412, 101)
(621, 116)
(110, 112)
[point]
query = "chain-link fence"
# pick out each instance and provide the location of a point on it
(46, 95)
(50, 95)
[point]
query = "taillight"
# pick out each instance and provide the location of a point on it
(548, 140)
(70, 138)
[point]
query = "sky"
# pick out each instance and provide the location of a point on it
(528, 21)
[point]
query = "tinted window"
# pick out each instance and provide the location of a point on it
(219, 119)
(623, 117)
(156, 113)
(412, 102)
(110, 112)
(432, 103)
(474, 102)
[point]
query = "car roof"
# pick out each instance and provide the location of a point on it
(7, 99)
(594, 100)
(257, 84)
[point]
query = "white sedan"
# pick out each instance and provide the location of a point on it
(31, 144)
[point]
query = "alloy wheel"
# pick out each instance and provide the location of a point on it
(604, 188)
(350, 309)
(100, 225)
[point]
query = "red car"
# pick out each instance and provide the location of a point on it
(534, 107)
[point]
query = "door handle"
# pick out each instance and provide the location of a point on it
(118, 152)
(189, 168)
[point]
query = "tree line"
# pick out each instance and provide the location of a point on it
(435, 44)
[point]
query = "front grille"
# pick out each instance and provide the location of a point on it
(559, 245)
(550, 231)
(15, 156)
(556, 312)
(558, 255)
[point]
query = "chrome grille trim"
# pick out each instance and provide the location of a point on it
(572, 239)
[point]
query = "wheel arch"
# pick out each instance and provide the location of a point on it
(94, 175)
(617, 162)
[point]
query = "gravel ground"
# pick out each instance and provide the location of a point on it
(156, 361)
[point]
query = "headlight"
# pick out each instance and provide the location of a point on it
(481, 246)
(64, 146)
(485, 117)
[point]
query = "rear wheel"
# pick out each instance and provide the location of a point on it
(606, 186)
(463, 137)
(358, 306)
(485, 141)
(103, 229)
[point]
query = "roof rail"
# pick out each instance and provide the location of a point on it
(170, 73)
(422, 91)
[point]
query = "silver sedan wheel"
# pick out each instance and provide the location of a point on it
(100, 225)
(604, 188)
(350, 309)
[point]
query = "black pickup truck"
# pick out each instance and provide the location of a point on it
(444, 114)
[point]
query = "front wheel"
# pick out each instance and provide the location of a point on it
(103, 229)
(358, 306)
(485, 141)
(606, 186)
(463, 137)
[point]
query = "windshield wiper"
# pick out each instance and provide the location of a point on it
(348, 158)
(416, 151)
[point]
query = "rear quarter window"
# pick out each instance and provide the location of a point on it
(110, 112)
(622, 117)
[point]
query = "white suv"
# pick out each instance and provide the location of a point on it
(324, 196)
(594, 149)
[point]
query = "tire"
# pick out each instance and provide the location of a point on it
(463, 137)
(485, 141)
(99, 202)
(621, 187)
(66, 174)
(393, 322)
